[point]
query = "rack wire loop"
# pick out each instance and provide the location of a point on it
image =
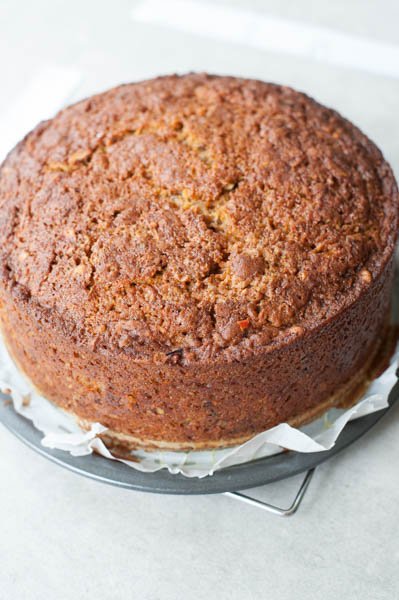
(276, 510)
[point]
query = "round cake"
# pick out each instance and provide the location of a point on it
(192, 260)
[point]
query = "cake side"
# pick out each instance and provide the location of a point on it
(170, 405)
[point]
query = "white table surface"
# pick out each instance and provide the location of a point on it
(62, 536)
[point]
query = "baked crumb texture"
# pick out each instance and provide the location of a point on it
(195, 258)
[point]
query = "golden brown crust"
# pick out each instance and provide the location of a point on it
(158, 216)
(194, 259)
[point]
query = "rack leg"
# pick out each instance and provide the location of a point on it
(281, 512)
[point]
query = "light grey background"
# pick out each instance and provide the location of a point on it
(64, 537)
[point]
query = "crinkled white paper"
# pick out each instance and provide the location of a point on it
(62, 432)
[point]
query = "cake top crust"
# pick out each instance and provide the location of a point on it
(184, 218)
